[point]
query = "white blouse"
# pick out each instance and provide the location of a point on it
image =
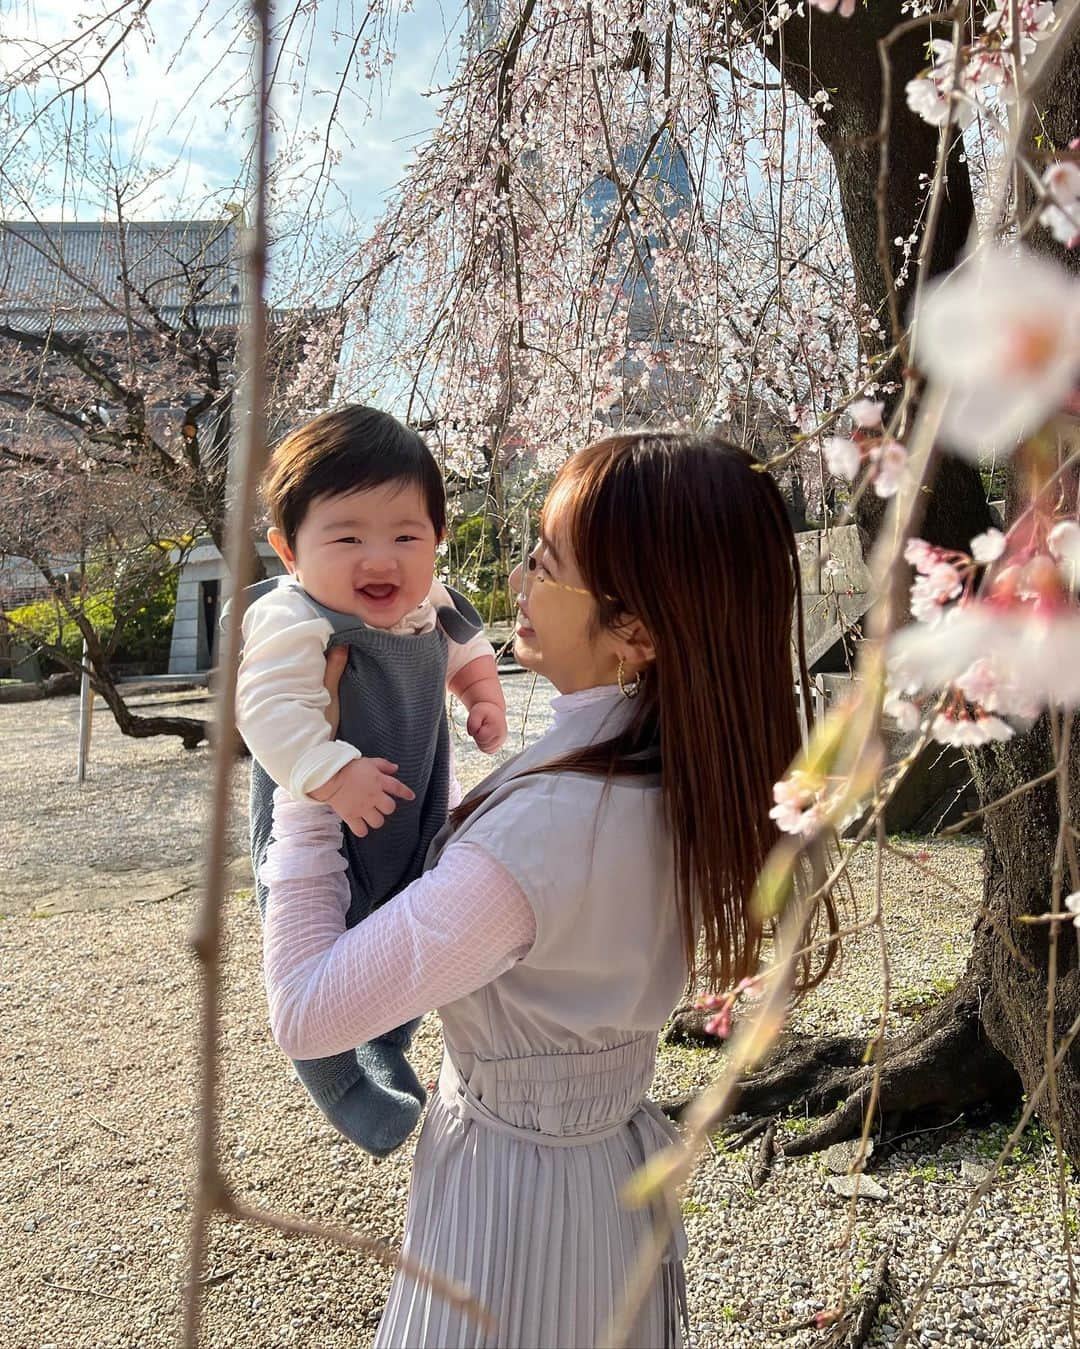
(455, 929)
(329, 989)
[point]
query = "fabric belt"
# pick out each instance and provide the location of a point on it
(464, 1105)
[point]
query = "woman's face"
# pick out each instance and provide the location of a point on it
(556, 634)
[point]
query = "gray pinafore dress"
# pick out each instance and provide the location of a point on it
(541, 1116)
(393, 706)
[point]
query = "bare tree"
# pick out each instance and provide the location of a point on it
(118, 369)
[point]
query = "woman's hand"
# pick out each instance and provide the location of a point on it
(336, 660)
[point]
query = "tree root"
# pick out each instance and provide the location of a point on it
(766, 1153)
(941, 1068)
(854, 1327)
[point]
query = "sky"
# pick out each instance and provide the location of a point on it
(171, 104)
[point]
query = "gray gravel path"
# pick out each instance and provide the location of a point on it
(99, 1101)
(133, 831)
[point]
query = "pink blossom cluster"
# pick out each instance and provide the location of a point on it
(957, 85)
(868, 443)
(1061, 212)
(983, 651)
(722, 1005)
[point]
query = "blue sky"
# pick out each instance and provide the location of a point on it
(172, 103)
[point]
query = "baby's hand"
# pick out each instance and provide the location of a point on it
(363, 792)
(487, 726)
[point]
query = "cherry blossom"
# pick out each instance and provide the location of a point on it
(988, 547)
(842, 456)
(868, 442)
(906, 714)
(1064, 541)
(798, 806)
(964, 730)
(1061, 214)
(1002, 336)
(723, 1004)
(926, 100)
(932, 96)
(808, 801)
(890, 459)
(920, 554)
(866, 414)
(846, 8)
(932, 591)
(1072, 905)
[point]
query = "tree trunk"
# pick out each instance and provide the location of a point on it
(1020, 845)
(191, 731)
(988, 1037)
(842, 55)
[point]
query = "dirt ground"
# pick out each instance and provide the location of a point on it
(99, 1000)
(134, 831)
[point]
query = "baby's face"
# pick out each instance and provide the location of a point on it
(370, 553)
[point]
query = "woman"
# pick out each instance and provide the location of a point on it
(572, 895)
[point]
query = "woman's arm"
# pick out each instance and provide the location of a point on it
(452, 931)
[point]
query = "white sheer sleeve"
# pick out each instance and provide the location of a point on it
(329, 989)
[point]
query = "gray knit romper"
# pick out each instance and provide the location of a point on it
(393, 706)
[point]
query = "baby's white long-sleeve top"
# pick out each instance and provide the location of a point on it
(455, 929)
(280, 696)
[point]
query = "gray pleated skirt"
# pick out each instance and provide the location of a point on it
(533, 1226)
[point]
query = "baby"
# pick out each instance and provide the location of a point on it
(359, 508)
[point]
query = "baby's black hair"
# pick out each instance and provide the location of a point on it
(348, 450)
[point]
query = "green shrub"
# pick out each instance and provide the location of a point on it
(146, 633)
(145, 630)
(47, 622)
(477, 567)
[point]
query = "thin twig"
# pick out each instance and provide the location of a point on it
(211, 1191)
(964, 821)
(456, 1294)
(102, 1123)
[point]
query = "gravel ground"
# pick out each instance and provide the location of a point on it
(99, 1104)
(133, 831)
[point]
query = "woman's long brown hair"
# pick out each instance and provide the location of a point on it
(684, 533)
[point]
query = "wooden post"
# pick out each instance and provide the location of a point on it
(86, 716)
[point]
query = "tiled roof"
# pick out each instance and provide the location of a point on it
(68, 275)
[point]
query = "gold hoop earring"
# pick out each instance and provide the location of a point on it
(628, 688)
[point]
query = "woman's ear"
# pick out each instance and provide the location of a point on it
(633, 644)
(280, 544)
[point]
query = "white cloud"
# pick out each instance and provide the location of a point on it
(173, 101)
